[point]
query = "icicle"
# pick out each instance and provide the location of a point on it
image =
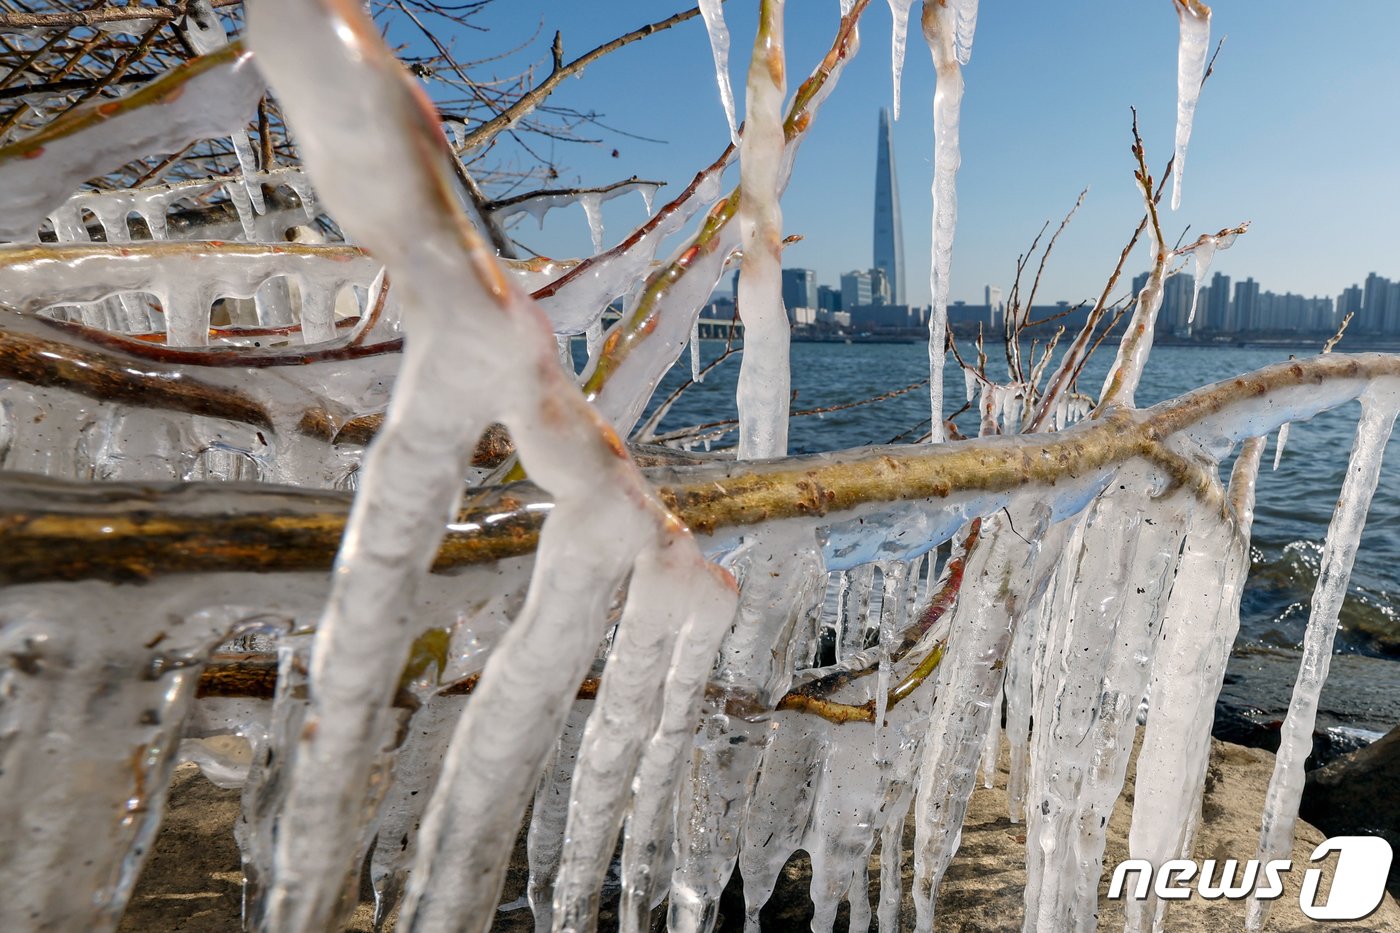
(762, 394)
(1199, 627)
(1093, 675)
(1378, 410)
(648, 194)
(970, 382)
(661, 602)
(238, 194)
(991, 744)
(713, 14)
(780, 807)
(317, 312)
(695, 374)
(566, 352)
(968, 678)
(1194, 43)
(593, 209)
(1203, 254)
(248, 165)
(1282, 440)
(944, 27)
(899, 30)
(593, 338)
(549, 814)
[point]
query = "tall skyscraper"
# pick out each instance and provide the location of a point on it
(889, 231)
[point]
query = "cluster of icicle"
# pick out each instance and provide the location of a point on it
(940, 628)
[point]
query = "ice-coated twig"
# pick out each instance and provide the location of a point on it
(762, 393)
(205, 97)
(414, 225)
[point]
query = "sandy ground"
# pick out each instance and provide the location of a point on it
(192, 880)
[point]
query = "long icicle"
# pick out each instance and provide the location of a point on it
(1201, 621)
(763, 374)
(1378, 409)
(1191, 51)
(713, 13)
(945, 26)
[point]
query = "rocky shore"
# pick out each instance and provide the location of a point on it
(192, 880)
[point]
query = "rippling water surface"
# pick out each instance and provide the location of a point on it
(1294, 503)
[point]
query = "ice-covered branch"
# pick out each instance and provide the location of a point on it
(710, 498)
(762, 394)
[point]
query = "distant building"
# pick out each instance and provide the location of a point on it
(1174, 315)
(1246, 305)
(799, 288)
(886, 317)
(855, 290)
(1349, 301)
(828, 298)
(1374, 298)
(1216, 316)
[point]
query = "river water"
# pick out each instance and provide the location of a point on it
(1294, 503)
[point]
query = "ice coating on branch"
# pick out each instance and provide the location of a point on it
(1192, 46)
(899, 32)
(200, 99)
(577, 300)
(1120, 386)
(712, 12)
(185, 277)
(412, 223)
(947, 28)
(1379, 406)
(539, 204)
(762, 394)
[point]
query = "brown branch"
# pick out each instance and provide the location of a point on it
(102, 14)
(62, 530)
(565, 192)
(538, 94)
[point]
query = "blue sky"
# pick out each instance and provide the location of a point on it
(1297, 131)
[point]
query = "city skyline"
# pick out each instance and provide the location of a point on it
(1040, 122)
(1224, 305)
